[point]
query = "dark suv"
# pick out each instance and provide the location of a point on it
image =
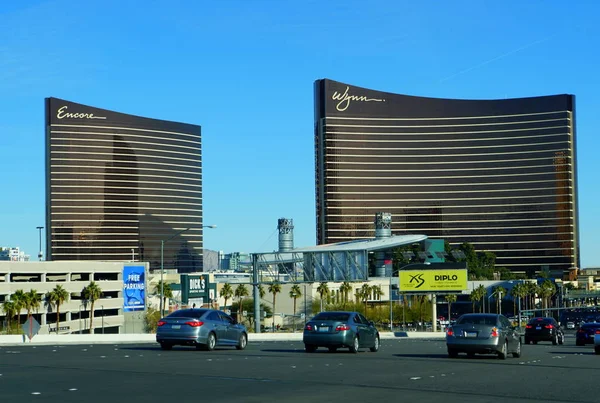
(544, 329)
(585, 333)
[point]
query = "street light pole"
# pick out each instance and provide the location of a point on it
(40, 254)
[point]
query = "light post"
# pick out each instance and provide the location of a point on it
(391, 301)
(294, 313)
(41, 254)
(102, 306)
(162, 263)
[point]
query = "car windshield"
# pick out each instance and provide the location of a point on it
(188, 313)
(477, 320)
(338, 316)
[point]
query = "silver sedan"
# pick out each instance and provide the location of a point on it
(483, 334)
(202, 328)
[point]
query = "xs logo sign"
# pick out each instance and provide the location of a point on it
(417, 278)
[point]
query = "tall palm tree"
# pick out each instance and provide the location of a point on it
(377, 291)
(10, 310)
(92, 293)
(365, 292)
(499, 291)
(345, 288)
(167, 293)
(226, 293)
(450, 298)
(274, 288)
(295, 293)
(546, 290)
(515, 293)
(323, 290)
(261, 291)
(18, 299)
(482, 294)
(240, 292)
(57, 297)
(33, 300)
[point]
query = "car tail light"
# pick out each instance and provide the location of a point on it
(597, 331)
(160, 323)
(528, 327)
(580, 331)
(549, 327)
(308, 327)
(194, 323)
(494, 332)
(449, 332)
(339, 328)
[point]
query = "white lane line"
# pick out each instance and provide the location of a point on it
(414, 378)
(72, 389)
(126, 356)
(35, 393)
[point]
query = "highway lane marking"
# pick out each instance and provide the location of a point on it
(72, 389)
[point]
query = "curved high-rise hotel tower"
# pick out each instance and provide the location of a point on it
(499, 174)
(117, 185)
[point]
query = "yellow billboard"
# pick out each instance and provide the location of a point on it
(432, 280)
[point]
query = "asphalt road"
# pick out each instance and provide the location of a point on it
(281, 371)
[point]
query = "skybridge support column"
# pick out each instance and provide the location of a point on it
(256, 294)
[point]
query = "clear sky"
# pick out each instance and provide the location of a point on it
(244, 70)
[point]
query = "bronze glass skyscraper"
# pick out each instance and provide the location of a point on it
(117, 184)
(499, 174)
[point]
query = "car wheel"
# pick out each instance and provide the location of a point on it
(375, 347)
(534, 342)
(309, 348)
(517, 352)
(578, 343)
(452, 353)
(211, 342)
(503, 353)
(597, 350)
(527, 341)
(355, 345)
(470, 355)
(332, 349)
(243, 342)
(166, 346)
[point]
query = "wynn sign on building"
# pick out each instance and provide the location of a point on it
(499, 174)
(117, 184)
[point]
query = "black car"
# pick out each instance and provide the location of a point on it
(544, 329)
(585, 333)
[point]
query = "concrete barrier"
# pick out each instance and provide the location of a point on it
(60, 339)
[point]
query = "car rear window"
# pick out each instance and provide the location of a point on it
(188, 313)
(590, 325)
(543, 321)
(342, 317)
(477, 320)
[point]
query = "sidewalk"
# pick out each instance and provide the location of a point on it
(62, 339)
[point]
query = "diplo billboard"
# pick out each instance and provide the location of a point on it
(432, 280)
(134, 288)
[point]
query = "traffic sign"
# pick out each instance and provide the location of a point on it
(31, 327)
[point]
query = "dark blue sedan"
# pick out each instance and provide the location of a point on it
(338, 330)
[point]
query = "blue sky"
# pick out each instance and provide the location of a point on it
(244, 71)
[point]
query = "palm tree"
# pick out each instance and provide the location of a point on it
(365, 293)
(345, 288)
(482, 294)
(261, 291)
(18, 299)
(57, 297)
(240, 292)
(10, 310)
(323, 289)
(499, 291)
(295, 293)
(546, 291)
(274, 288)
(166, 290)
(450, 298)
(226, 293)
(92, 293)
(33, 300)
(377, 291)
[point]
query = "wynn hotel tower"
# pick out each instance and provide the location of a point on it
(500, 174)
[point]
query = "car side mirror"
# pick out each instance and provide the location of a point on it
(371, 323)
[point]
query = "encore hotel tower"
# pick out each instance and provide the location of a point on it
(117, 185)
(499, 174)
